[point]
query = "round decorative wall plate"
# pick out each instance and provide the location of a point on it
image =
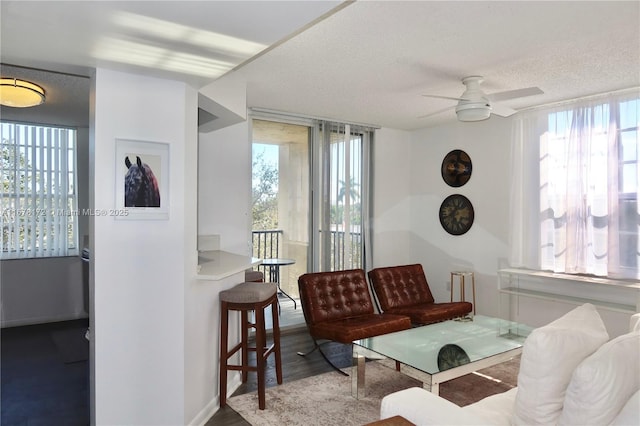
(456, 168)
(456, 214)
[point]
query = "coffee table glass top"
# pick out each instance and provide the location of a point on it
(437, 347)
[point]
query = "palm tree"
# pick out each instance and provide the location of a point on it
(354, 194)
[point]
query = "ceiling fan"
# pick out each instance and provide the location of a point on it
(475, 105)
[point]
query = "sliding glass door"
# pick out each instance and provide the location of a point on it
(280, 188)
(341, 196)
(310, 195)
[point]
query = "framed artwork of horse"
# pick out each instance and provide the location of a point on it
(142, 180)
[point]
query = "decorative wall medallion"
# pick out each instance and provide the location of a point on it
(456, 168)
(456, 214)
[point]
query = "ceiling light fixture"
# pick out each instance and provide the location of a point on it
(473, 111)
(20, 93)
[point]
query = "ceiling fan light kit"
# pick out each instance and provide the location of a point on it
(475, 105)
(476, 111)
(20, 93)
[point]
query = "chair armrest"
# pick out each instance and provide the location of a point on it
(424, 408)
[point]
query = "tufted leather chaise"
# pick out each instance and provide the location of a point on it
(404, 290)
(337, 306)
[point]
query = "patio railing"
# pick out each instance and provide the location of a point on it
(268, 244)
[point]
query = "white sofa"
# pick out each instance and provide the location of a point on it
(570, 374)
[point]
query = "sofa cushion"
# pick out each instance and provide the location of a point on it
(422, 407)
(495, 409)
(603, 383)
(630, 413)
(433, 312)
(346, 330)
(550, 354)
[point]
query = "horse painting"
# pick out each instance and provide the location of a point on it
(140, 185)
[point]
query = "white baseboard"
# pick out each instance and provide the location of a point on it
(214, 405)
(42, 320)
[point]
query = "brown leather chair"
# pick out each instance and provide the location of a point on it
(338, 307)
(404, 290)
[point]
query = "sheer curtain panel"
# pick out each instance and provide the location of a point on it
(574, 197)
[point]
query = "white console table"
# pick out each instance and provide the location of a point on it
(614, 295)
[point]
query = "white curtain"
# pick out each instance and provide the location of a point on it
(575, 187)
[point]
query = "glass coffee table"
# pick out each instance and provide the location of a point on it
(439, 352)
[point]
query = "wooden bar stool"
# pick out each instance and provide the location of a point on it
(246, 297)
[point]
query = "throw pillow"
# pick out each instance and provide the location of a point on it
(550, 354)
(603, 383)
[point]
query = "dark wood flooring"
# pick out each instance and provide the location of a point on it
(41, 385)
(39, 388)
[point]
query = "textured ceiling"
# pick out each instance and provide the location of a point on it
(372, 61)
(369, 62)
(67, 98)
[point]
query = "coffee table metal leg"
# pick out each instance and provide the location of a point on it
(357, 376)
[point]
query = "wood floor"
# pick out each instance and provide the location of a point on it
(294, 367)
(40, 384)
(39, 388)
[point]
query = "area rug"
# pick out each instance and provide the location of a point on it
(326, 399)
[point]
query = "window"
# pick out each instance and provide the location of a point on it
(39, 200)
(582, 184)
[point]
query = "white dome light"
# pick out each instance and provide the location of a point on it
(20, 93)
(476, 111)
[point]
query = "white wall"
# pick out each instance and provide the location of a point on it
(391, 197)
(409, 190)
(140, 267)
(479, 250)
(224, 187)
(41, 290)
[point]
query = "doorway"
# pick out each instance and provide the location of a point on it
(280, 208)
(311, 184)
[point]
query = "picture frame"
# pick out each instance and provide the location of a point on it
(456, 168)
(141, 180)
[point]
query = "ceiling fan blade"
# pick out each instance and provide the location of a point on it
(445, 97)
(502, 110)
(512, 94)
(437, 112)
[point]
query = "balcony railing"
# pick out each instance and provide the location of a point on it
(268, 244)
(340, 254)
